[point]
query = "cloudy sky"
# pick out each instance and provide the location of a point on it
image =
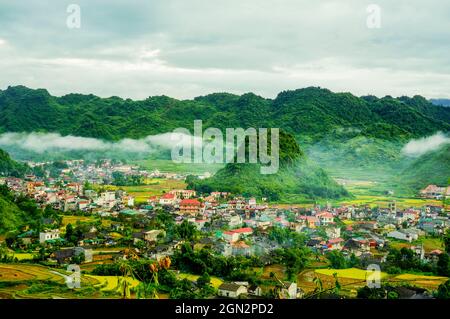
(187, 48)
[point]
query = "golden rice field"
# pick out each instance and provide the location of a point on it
(111, 283)
(22, 272)
(23, 256)
(215, 282)
(383, 201)
(351, 273)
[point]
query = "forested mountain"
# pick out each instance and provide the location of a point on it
(309, 113)
(9, 167)
(431, 168)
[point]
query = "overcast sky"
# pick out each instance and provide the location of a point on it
(187, 48)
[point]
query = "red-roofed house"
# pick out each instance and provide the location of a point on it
(167, 199)
(335, 243)
(325, 218)
(190, 206)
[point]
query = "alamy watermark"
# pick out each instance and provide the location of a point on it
(373, 279)
(239, 145)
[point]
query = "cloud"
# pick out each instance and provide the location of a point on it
(43, 142)
(424, 145)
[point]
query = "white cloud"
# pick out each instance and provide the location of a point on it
(43, 142)
(185, 49)
(424, 145)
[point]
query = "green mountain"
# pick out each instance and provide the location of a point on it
(9, 167)
(310, 113)
(430, 168)
(16, 212)
(297, 178)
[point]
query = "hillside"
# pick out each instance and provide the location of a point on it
(16, 212)
(431, 168)
(297, 178)
(311, 113)
(9, 167)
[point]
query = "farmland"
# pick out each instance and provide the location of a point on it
(153, 187)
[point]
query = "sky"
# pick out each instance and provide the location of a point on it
(187, 48)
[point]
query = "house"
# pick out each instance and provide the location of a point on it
(432, 191)
(312, 221)
(333, 232)
(235, 221)
(335, 244)
(240, 248)
(190, 207)
(183, 193)
(167, 199)
(231, 290)
(325, 218)
(400, 235)
(152, 235)
(48, 235)
(230, 236)
(65, 255)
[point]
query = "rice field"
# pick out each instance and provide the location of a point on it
(22, 272)
(112, 283)
(153, 187)
(23, 256)
(350, 273)
(215, 282)
(68, 219)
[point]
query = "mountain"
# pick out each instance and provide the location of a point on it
(430, 168)
(297, 178)
(443, 102)
(9, 167)
(17, 212)
(310, 113)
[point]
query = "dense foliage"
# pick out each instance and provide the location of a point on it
(312, 112)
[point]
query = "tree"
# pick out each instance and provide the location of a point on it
(337, 259)
(444, 290)
(447, 241)
(443, 265)
(204, 280)
(69, 232)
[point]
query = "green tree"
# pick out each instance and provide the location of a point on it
(444, 290)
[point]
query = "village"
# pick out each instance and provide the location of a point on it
(91, 225)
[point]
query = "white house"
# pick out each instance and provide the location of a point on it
(231, 290)
(48, 235)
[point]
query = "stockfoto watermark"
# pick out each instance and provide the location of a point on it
(239, 145)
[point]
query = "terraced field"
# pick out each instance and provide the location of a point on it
(112, 283)
(22, 272)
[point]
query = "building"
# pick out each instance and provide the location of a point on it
(183, 193)
(167, 199)
(432, 191)
(231, 290)
(48, 235)
(190, 207)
